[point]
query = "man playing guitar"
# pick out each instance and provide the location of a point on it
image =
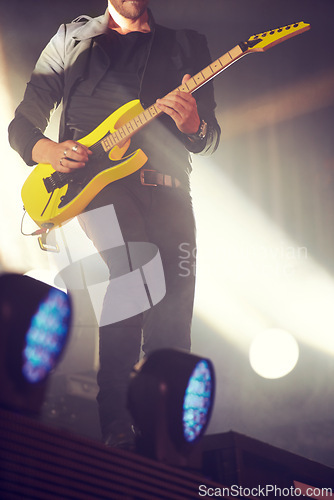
(94, 66)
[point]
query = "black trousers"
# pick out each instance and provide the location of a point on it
(164, 217)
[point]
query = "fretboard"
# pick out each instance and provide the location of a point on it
(127, 130)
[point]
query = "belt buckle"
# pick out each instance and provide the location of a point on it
(142, 177)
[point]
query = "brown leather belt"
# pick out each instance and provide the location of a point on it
(149, 177)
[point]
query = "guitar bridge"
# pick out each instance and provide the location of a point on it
(56, 181)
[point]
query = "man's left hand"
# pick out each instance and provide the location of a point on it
(182, 108)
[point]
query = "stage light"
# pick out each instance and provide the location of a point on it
(35, 322)
(273, 353)
(171, 396)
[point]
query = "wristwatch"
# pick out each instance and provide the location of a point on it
(201, 132)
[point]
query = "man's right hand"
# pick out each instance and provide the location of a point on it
(64, 156)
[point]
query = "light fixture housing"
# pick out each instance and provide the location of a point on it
(170, 397)
(35, 321)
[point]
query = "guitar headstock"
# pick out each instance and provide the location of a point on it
(267, 39)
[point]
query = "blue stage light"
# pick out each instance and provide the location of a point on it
(197, 401)
(35, 321)
(170, 397)
(46, 336)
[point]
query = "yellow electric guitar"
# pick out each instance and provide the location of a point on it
(51, 198)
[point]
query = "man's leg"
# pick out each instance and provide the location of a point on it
(119, 341)
(172, 228)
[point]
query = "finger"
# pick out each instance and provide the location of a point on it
(61, 167)
(170, 109)
(66, 165)
(178, 98)
(77, 152)
(175, 102)
(80, 149)
(184, 87)
(69, 144)
(186, 78)
(70, 160)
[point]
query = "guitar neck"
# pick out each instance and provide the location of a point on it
(256, 43)
(126, 131)
(214, 69)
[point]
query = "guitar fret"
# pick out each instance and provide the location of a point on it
(144, 115)
(140, 121)
(116, 139)
(224, 60)
(215, 65)
(199, 78)
(108, 142)
(153, 110)
(207, 72)
(117, 135)
(128, 127)
(235, 53)
(133, 126)
(191, 84)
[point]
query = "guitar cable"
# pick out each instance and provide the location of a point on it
(38, 232)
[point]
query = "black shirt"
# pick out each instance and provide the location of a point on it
(121, 83)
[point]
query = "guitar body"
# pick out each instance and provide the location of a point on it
(49, 209)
